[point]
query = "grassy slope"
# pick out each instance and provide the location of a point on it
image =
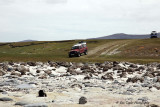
(146, 50)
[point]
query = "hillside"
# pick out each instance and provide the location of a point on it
(126, 36)
(134, 50)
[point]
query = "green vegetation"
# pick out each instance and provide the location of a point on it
(138, 51)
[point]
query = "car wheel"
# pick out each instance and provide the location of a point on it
(86, 53)
(78, 54)
(70, 56)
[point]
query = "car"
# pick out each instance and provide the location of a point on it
(153, 34)
(78, 49)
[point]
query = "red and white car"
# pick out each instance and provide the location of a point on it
(78, 49)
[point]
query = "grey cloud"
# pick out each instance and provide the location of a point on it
(55, 1)
(6, 2)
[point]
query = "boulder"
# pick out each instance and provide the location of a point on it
(130, 70)
(41, 93)
(83, 100)
(133, 66)
(2, 73)
(37, 105)
(76, 86)
(38, 71)
(21, 103)
(107, 77)
(152, 105)
(44, 76)
(31, 63)
(135, 79)
(71, 71)
(118, 67)
(115, 63)
(48, 72)
(16, 73)
(6, 99)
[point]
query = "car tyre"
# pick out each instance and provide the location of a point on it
(85, 52)
(78, 55)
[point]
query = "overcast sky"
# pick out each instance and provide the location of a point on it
(76, 19)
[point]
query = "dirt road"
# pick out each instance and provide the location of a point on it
(110, 48)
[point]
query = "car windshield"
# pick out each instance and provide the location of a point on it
(75, 47)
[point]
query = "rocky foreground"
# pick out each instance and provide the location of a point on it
(109, 84)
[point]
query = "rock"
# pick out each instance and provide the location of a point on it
(22, 70)
(105, 68)
(2, 73)
(15, 73)
(115, 63)
(133, 66)
(23, 63)
(72, 71)
(76, 86)
(107, 77)
(118, 67)
(48, 72)
(146, 85)
(157, 86)
(153, 105)
(37, 105)
(123, 75)
(158, 79)
(83, 100)
(44, 76)
(10, 63)
(87, 77)
(22, 103)
(140, 68)
(6, 99)
(1, 91)
(150, 75)
(150, 70)
(24, 86)
(86, 66)
(143, 99)
(135, 79)
(38, 71)
(130, 70)
(131, 90)
(79, 64)
(53, 64)
(31, 63)
(41, 93)
(127, 93)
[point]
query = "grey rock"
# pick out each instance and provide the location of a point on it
(157, 85)
(127, 93)
(6, 99)
(153, 105)
(133, 66)
(131, 90)
(146, 85)
(37, 105)
(24, 86)
(143, 99)
(4, 92)
(2, 73)
(83, 100)
(31, 63)
(22, 103)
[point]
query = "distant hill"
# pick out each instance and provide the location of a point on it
(29, 40)
(125, 36)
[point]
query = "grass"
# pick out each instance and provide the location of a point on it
(137, 51)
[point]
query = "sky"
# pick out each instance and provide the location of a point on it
(49, 20)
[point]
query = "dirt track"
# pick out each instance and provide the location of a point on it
(110, 48)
